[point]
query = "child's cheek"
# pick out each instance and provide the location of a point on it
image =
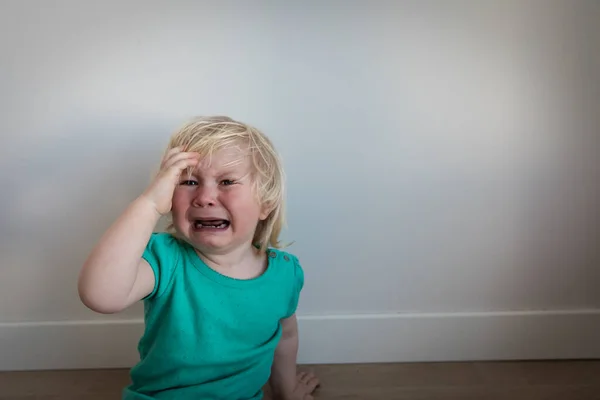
(180, 200)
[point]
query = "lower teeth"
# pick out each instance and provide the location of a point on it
(223, 225)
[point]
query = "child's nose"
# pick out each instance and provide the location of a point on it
(205, 196)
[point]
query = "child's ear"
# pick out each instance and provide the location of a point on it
(265, 210)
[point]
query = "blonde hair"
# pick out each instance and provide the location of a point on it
(206, 135)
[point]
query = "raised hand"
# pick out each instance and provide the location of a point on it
(160, 192)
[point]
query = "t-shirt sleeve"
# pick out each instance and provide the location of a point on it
(298, 284)
(162, 253)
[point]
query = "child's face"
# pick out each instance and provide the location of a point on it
(215, 208)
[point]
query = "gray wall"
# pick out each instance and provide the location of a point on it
(441, 156)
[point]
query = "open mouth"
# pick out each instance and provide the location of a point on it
(204, 224)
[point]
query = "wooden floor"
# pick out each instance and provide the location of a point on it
(562, 380)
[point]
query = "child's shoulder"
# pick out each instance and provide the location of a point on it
(285, 262)
(290, 275)
(283, 256)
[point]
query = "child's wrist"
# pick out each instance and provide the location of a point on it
(146, 206)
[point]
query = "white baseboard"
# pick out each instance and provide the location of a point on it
(331, 339)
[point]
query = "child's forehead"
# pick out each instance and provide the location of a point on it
(230, 157)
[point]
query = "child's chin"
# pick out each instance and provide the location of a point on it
(207, 241)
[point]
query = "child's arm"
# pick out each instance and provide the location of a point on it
(115, 276)
(284, 381)
(283, 372)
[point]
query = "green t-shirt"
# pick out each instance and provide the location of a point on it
(208, 336)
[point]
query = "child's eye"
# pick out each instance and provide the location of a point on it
(227, 182)
(188, 183)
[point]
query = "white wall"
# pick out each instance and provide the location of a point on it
(442, 160)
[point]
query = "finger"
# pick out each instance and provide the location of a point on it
(173, 152)
(312, 384)
(306, 377)
(308, 397)
(176, 169)
(300, 375)
(178, 157)
(169, 153)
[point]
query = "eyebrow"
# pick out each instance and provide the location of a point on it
(237, 173)
(237, 170)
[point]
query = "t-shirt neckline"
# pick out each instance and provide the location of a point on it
(225, 280)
